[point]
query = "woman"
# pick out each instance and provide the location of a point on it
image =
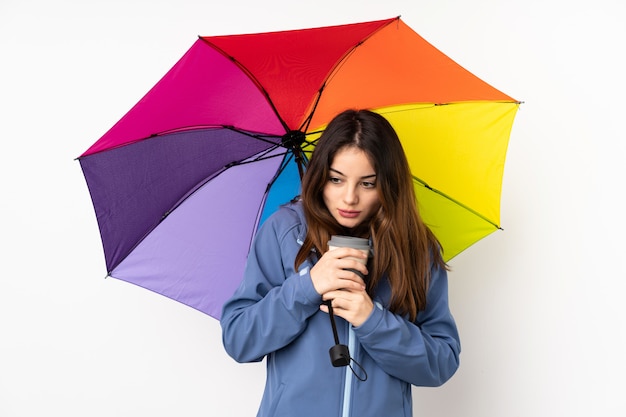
(396, 322)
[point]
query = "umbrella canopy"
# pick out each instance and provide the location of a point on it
(181, 183)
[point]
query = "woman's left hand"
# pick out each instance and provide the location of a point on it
(354, 306)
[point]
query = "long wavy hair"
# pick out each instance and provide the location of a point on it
(404, 248)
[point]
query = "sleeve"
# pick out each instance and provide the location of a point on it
(271, 306)
(423, 353)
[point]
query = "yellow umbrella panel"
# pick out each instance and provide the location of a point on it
(456, 153)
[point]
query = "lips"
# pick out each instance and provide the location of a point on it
(348, 214)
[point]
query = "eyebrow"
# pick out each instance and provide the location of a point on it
(342, 174)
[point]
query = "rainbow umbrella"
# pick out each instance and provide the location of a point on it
(182, 182)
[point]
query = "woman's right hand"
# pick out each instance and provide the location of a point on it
(332, 273)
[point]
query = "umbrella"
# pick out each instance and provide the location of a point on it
(181, 182)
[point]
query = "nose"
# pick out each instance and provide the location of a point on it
(351, 195)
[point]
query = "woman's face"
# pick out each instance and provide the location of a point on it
(350, 193)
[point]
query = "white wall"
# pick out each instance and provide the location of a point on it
(539, 305)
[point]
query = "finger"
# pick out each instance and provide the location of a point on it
(360, 276)
(343, 307)
(337, 297)
(347, 253)
(353, 264)
(348, 280)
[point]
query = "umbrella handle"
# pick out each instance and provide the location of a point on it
(339, 354)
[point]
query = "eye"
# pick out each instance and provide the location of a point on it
(334, 180)
(368, 184)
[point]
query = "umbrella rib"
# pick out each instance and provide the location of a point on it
(251, 77)
(257, 159)
(258, 136)
(167, 213)
(205, 181)
(474, 212)
(279, 171)
(263, 156)
(262, 137)
(335, 69)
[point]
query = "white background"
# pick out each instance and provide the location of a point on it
(540, 305)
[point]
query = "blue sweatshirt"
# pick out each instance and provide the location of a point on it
(274, 314)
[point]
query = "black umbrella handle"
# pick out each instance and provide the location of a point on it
(339, 354)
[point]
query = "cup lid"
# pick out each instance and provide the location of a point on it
(349, 242)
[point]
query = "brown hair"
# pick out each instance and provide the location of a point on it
(404, 247)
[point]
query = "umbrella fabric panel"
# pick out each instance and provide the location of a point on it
(458, 149)
(203, 89)
(133, 187)
(197, 254)
(453, 224)
(283, 189)
(291, 66)
(396, 66)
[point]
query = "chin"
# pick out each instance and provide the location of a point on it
(348, 224)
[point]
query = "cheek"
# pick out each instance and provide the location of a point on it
(327, 195)
(373, 204)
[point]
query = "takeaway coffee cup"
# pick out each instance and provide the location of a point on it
(340, 354)
(361, 244)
